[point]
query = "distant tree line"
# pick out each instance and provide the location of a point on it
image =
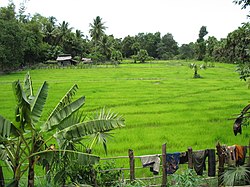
(27, 40)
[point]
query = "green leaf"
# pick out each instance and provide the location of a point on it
(67, 98)
(39, 102)
(77, 117)
(63, 114)
(80, 157)
(7, 128)
(78, 131)
(3, 154)
(23, 105)
(28, 89)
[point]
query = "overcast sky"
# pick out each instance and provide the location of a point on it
(182, 18)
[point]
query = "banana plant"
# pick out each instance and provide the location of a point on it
(24, 141)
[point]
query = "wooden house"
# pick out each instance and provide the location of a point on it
(65, 60)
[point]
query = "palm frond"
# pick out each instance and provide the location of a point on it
(38, 102)
(101, 138)
(236, 175)
(67, 98)
(62, 114)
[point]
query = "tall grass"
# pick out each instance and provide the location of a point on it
(161, 103)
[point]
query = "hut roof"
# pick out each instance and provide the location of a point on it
(64, 57)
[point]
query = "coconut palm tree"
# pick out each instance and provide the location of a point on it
(106, 46)
(97, 30)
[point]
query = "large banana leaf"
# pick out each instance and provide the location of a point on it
(28, 89)
(38, 102)
(79, 157)
(67, 98)
(22, 104)
(78, 131)
(63, 114)
(7, 129)
(77, 117)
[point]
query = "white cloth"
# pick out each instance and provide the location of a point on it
(151, 161)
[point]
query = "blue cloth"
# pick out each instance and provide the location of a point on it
(173, 161)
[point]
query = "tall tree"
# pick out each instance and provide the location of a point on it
(210, 47)
(127, 46)
(186, 51)
(97, 29)
(106, 47)
(201, 44)
(11, 40)
(168, 47)
(149, 42)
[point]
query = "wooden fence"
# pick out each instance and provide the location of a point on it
(215, 165)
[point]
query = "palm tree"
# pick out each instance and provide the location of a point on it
(97, 30)
(62, 31)
(23, 141)
(106, 46)
(49, 30)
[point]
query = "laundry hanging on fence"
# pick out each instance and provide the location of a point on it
(231, 156)
(152, 161)
(183, 157)
(240, 154)
(199, 161)
(234, 155)
(173, 160)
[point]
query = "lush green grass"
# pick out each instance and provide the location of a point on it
(160, 102)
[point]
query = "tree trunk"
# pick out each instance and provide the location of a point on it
(31, 174)
(1, 177)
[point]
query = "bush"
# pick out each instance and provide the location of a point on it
(98, 174)
(187, 179)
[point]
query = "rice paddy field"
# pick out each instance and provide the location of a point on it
(161, 102)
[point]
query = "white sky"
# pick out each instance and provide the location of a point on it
(182, 18)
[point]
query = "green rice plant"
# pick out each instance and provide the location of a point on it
(160, 101)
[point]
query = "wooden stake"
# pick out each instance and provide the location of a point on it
(221, 164)
(211, 163)
(131, 164)
(164, 165)
(190, 158)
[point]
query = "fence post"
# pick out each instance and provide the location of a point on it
(164, 166)
(211, 163)
(221, 164)
(190, 158)
(131, 164)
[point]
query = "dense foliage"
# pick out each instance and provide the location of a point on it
(26, 40)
